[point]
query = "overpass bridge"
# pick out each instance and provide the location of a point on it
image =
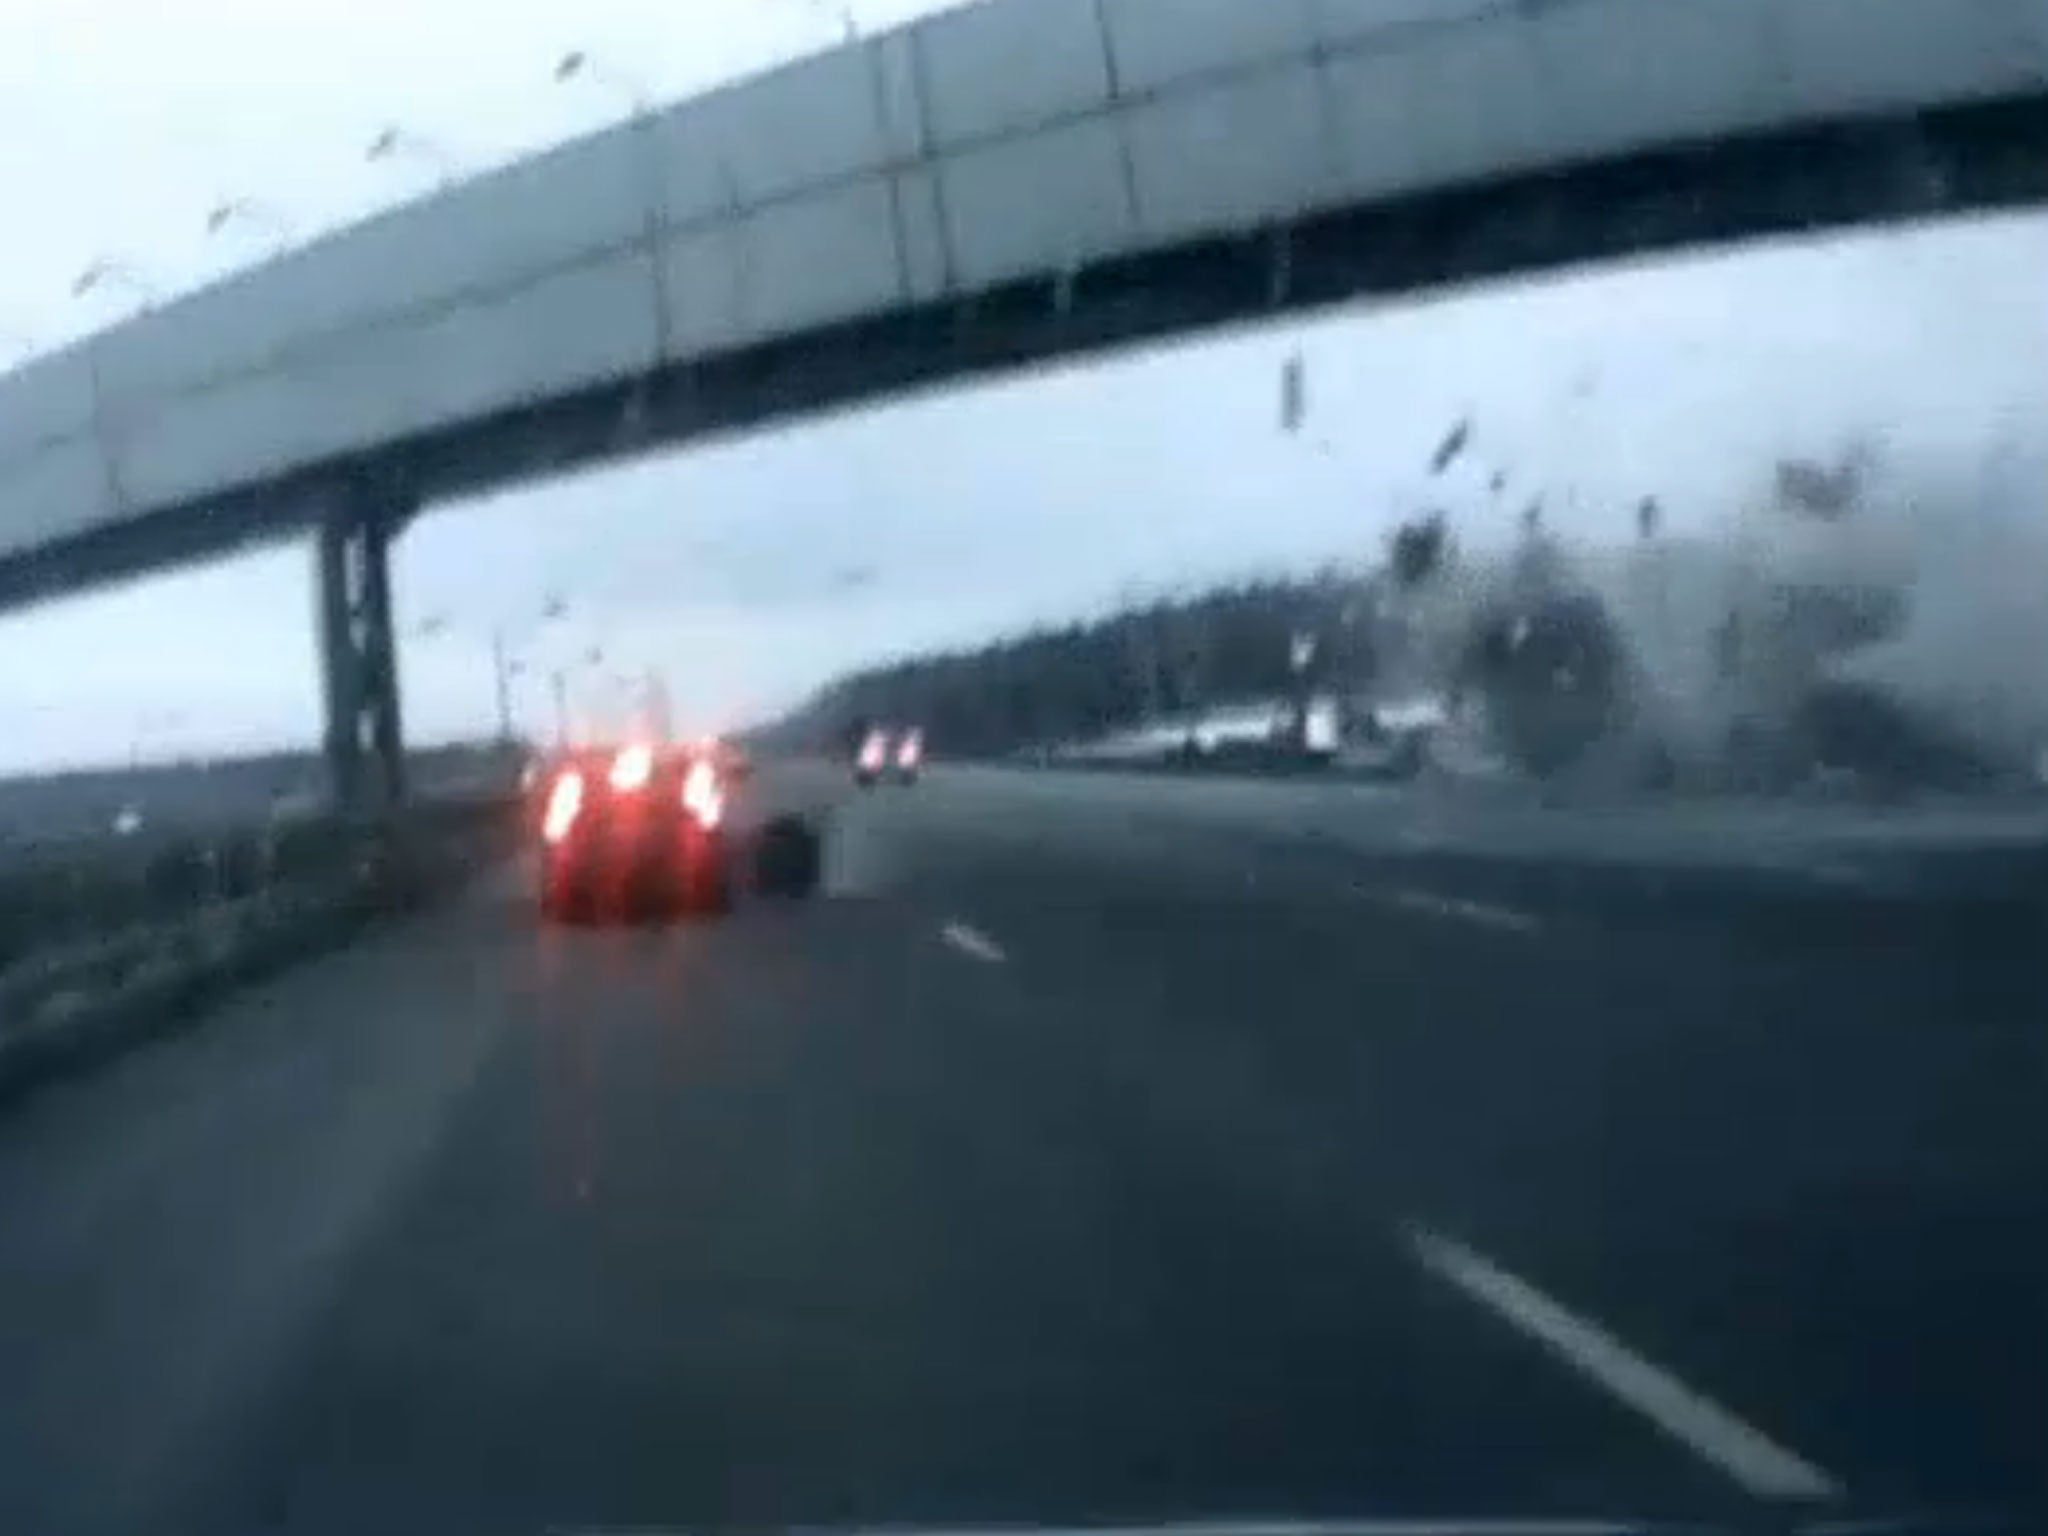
(1010, 182)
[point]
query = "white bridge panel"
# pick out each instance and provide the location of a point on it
(479, 239)
(704, 271)
(1158, 42)
(1251, 151)
(817, 259)
(1446, 106)
(1856, 56)
(50, 398)
(1047, 202)
(54, 490)
(899, 96)
(1350, 24)
(1619, 72)
(571, 329)
(699, 181)
(1010, 140)
(804, 126)
(927, 259)
(1004, 68)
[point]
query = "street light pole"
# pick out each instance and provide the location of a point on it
(559, 680)
(506, 663)
(502, 667)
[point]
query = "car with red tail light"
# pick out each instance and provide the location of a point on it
(635, 829)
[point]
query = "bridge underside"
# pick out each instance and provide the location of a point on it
(1955, 161)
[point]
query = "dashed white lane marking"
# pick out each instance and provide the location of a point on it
(1505, 919)
(972, 941)
(1759, 1464)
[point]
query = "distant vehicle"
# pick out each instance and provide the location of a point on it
(872, 759)
(633, 829)
(909, 757)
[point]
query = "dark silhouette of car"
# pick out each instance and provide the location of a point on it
(635, 830)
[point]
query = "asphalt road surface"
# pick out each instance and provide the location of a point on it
(1086, 1152)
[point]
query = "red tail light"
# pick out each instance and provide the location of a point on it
(703, 797)
(632, 768)
(565, 803)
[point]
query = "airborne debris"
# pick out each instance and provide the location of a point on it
(1453, 445)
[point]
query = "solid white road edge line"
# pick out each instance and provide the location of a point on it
(972, 941)
(1507, 919)
(1752, 1459)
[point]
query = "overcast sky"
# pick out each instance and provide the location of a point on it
(750, 571)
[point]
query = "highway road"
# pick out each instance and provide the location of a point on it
(1084, 1152)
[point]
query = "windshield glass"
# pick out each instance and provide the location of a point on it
(1049, 764)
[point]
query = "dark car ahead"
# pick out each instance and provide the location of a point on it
(633, 830)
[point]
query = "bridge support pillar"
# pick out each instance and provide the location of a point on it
(359, 662)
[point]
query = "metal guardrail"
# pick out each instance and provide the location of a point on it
(82, 890)
(127, 931)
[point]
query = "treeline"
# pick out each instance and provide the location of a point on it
(1086, 680)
